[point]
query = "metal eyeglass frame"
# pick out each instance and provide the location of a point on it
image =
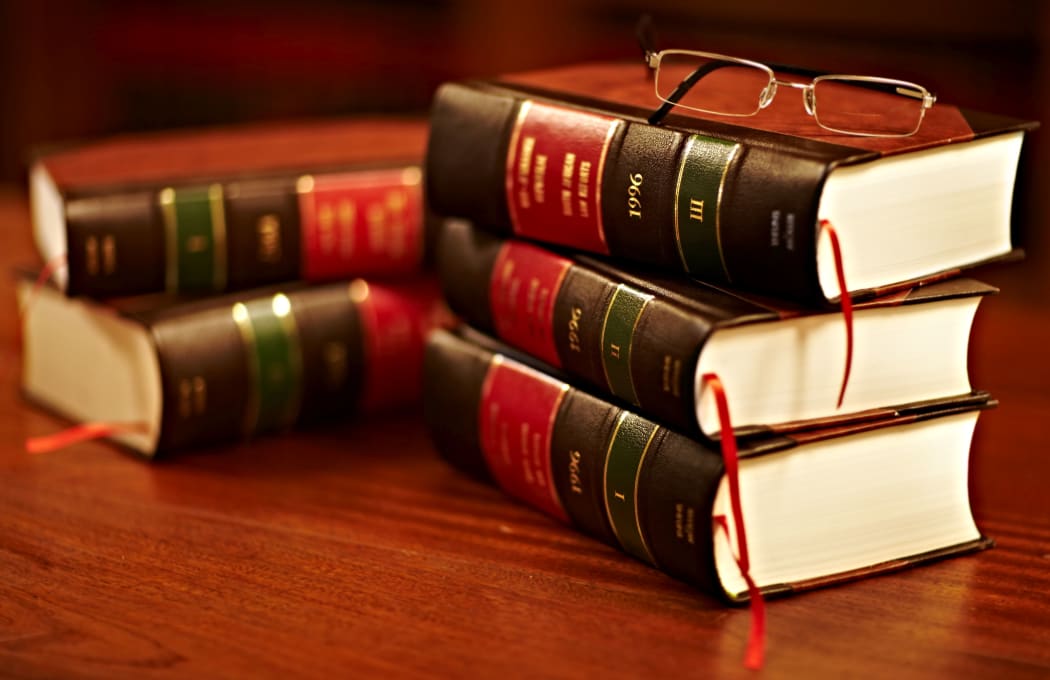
(890, 85)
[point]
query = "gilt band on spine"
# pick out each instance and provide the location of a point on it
(621, 319)
(271, 342)
(628, 447)
(195, 238)
(698, 201)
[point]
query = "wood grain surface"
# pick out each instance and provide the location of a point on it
(354, 551)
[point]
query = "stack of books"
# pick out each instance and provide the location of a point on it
(733, 347)
(801, 417)
(211, 286)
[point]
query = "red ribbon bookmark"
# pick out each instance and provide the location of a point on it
(754, 657)
(52, 266)
(846, 303)
(79, 433)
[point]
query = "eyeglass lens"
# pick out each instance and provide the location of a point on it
(863, 107)
(717, 86)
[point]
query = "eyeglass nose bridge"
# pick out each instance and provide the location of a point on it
(771, 90)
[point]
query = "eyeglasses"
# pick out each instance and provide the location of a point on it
(729, 86)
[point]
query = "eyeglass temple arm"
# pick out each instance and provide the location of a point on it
(891, 88)
(645, 32)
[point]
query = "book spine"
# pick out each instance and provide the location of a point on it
(722, 210)
(248, 365)
(609, 472)
(243, 233)
(621, 339)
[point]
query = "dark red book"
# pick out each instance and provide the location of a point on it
(566, 156)
(165, 375)
(206, 211)
(819, 507)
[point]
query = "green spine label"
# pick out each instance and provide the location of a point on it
(623, 463)
(698, 196)
(621, 318)
(195, 230)
(271, 340)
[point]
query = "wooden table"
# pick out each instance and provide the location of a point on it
(355, 550)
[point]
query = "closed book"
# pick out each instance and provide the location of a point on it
(647, 338)
(171, 375)
(212, 210)
(566, 156)
(819, 507)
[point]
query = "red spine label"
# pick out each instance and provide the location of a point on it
(359, 223)
(522, 292)
(516, 422)
(394, 326)
(554, 175)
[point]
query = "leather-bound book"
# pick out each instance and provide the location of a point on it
(210, 210)
(647, 338)
(819, 507)
(159, 375)
(566, 156)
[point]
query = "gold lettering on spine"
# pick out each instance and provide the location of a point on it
(575, 482)
(326, 227)
(568, 173)
(375, 215)
(527, 444)
(634, 195)
(524, 164)
(336, 366)
(268, 235)
(185, 394)
(347, 215)
(193, 396)
(91, 255)
(696, 210)
(672, 375)
(109, 254)
(685, 523)
(539, 178)
(200, 394)
(568, 170)
(583, 189)
(574, 329)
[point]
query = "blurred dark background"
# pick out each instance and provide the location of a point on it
(75, 69)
